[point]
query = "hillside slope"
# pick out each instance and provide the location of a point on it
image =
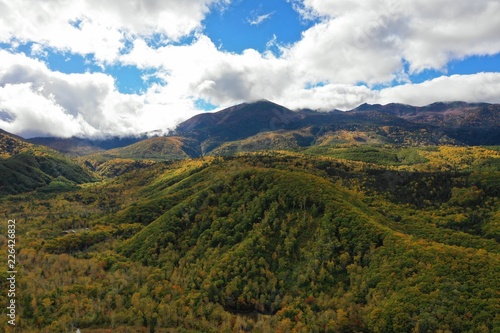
(162, 148)
(11, 144)
(114, 162)
(26, 167)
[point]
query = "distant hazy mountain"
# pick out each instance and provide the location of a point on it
(162, 147)
(469, 124)
(81, 146)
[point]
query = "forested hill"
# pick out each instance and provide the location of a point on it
(26, 167)
(268, 242)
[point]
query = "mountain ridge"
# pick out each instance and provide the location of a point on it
(457, 123)
(437, 123)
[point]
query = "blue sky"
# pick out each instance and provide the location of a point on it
(96, 68)
(252, 24)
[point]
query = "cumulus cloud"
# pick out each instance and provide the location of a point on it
(200, 69)
(41, 102)
(98, 27)
(47, 118)
(481, 87)
(338, 51)
(366, 41)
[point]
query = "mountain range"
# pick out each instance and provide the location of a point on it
(265, 125)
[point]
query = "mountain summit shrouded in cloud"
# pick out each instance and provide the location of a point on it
(95, 68)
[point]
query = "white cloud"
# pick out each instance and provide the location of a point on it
(327, 97)
(367, 40)
(481, 87)
(338, 51)
(47, 118)
(200, 70)
(258, 19)
(43, 102)
(98, 27)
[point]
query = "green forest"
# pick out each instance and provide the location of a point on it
(372, 238)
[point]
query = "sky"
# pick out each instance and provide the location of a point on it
(97, 68)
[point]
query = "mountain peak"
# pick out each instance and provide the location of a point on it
(260, 111)
(367, 107)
